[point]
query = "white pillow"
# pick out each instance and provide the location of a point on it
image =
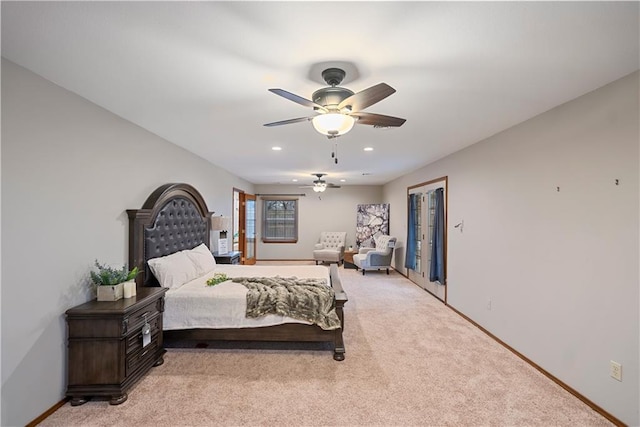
(173, 271)
(202, 259)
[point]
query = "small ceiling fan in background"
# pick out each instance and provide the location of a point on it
(319, 185)
(337, 109)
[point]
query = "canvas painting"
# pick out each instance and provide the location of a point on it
(371, 220)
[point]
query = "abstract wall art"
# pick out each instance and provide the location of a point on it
(371, 220)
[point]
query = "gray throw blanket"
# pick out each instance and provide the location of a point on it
(302, 299)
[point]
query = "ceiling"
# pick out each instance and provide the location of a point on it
(197, 73)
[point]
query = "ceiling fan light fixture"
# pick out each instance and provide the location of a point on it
(333, 124)
(319, 187)
(340, 107)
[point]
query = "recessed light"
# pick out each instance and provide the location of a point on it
(276, 148)
(294, 180)
(368, 149)
(343, 180)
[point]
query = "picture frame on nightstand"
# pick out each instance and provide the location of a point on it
(223, 247)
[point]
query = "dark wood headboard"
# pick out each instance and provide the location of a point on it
(173, 218)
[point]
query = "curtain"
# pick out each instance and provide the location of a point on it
(410, 258)
(436, 270)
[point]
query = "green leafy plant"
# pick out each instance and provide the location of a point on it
(106, 276)
(217, 278)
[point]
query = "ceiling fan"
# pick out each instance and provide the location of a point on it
(337, 109)
(319, 185)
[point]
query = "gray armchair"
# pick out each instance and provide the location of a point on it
(378, 257)
(330, 247)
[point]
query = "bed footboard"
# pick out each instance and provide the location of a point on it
(341, 299)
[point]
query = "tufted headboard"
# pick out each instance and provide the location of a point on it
(173, 218)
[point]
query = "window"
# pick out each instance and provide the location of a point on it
(280, 220)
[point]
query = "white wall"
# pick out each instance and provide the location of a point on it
(70, 169)
(333, 210)
(561, 268)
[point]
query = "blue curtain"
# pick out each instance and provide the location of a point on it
(436, 270)
(410, 257)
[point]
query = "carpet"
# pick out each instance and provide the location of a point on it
(410, 361)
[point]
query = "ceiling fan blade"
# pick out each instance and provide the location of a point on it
(328, 186)
(365, 98)
(378, 120)
(286, 122)
(297, 99)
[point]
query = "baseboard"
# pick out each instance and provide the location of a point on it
(401, 273)
(48, 412)
(588, 402)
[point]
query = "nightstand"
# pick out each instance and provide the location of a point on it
(348, 259)
(106, 354)
(231, 257)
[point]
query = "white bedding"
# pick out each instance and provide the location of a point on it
(196, 305)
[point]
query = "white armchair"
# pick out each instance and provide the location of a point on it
(330, 247)
(378, 257)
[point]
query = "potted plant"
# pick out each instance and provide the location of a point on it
(111, 282)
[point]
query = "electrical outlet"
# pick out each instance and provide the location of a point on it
(615, 370)
(489, 304)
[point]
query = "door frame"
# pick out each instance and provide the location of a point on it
(235, 218)
(242, 240)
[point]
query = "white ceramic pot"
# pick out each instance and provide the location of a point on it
(129, 289)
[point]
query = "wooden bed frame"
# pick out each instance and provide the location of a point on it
(174, 218)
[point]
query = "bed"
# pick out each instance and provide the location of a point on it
(174, 219)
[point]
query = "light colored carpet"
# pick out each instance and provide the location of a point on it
(409, 361)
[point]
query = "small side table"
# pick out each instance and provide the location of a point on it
(231, 257)
(348, 259)
(106, 351)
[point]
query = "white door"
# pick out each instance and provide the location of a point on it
(425, 213)
(417, 276)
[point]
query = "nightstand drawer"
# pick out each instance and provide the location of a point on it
(135, 321)
(134, 340)
(142, 355)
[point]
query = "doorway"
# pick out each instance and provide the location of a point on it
(246, 227)
(422, 212)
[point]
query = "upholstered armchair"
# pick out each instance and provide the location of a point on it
(378, 257)
(330, 247)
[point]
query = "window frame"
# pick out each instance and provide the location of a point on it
(279, 239)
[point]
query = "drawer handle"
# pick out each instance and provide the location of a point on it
(143, 353)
